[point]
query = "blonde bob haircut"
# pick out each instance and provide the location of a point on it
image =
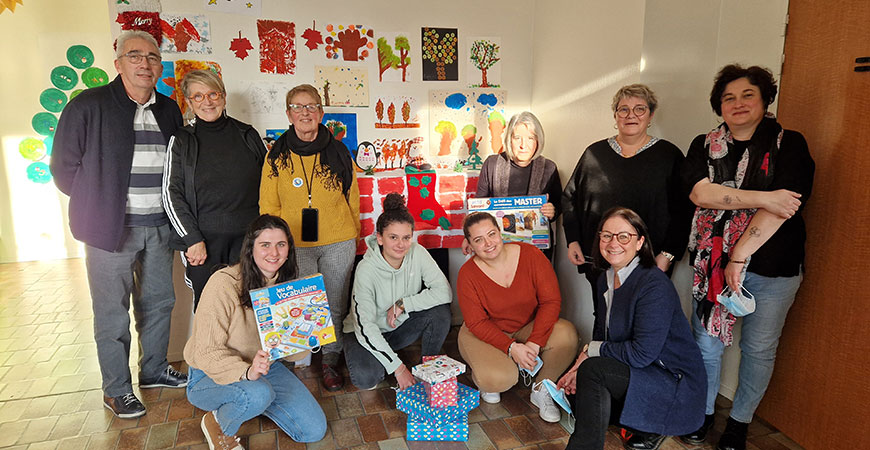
(640, 91)
(528, 119)
(203, 76)
(306, 88)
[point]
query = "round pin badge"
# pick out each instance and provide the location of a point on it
(297, 182)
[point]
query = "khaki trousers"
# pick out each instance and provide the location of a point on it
(493, 371)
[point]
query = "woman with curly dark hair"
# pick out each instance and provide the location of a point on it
(309, 181)
(750, 180)
(231, 377)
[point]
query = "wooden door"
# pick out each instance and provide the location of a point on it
(820, 390)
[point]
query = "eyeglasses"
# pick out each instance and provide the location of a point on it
(136, 58)
(312, 108)
(639, 111)
(199, 97)
(622, 237)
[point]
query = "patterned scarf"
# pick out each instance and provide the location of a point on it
(715, 231)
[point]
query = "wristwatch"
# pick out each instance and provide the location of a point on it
(667, 255)
(400, 303)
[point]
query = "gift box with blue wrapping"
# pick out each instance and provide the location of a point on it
(414, 402)
(426, 431)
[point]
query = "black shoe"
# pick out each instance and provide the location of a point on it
(125, 406)
(169, 378)
(734, 436)
(699, 436)
(644, 441)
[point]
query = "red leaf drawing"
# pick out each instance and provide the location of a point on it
(241, 46)
(313, 38)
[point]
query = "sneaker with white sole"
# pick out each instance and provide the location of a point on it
(125, 406)
(169, 378)
(215, 437)
(490, 397)
(547, 408)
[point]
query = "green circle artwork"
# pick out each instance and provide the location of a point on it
(52, 100)
(75, 93)
(94, 77)
(64, 77)
(49, 142)
(32, 149)
(38, 172)
(80, 56)
(44, 123)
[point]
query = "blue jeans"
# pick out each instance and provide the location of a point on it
(430, 326)
(279, 395)
(142, 266)
(759, 339)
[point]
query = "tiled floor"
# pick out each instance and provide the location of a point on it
(50, 390)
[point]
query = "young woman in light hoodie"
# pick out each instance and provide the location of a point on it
(399, 295)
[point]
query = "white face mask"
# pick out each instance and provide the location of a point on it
(739, 303)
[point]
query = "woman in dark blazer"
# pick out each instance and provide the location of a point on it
(642, 369)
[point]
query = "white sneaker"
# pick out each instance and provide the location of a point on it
(547, 409)
(304, 362)
(490, 397)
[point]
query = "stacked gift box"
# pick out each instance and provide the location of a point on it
(437, 407)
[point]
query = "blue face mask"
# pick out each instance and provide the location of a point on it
(739, 303)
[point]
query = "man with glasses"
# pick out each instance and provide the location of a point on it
(108, 157)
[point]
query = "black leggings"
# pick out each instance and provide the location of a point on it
(601, 386)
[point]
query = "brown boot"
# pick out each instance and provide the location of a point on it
(216, 438)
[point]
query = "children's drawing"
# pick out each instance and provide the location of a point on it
(32, 149)
(395, 153)
(354, 42)
(182, 66)
(80, 56)
(483, 68)
(166, 82)
(440, 54)
(342, 86)
(396, 112)
(394, 52)
(465, 125)
(185, 34)
(313, 38)
(343, 128)
(148, 21)
(94, 76)
(138, 5)
(249, 7)
(272, 136)
(64, 77)
(53, 100)
(241, 46)
(266, 98)
(277, 46)
(366, 157)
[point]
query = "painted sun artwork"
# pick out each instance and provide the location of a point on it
(266, 98)
(465, 123)
(277, 46)
(249, 7)
(394, 57)
(10, 5)
(185, 34)
(343, 128)
(342, 86)
(396, 112)
(440, 54)
(138, 5)
(483, 67)
(352, 42)
(182, 66)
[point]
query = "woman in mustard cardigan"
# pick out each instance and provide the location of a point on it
(309, 181)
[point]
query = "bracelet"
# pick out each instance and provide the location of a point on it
(245, 376)
(509, 349)
(667, 256)
(738, 261)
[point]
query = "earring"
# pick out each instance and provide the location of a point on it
(614, 126)
(650, 124)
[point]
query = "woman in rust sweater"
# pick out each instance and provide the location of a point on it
(510, 299)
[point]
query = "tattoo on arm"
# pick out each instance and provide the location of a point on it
(754, 232)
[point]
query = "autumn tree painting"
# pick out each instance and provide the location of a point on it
(484, 55)
(440, 54)
(277, 46)
(388, 59)
(389, 107)
(353, 42)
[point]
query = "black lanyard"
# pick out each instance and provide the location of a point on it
(305, 174)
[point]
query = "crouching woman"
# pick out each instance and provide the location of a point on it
(231, 377)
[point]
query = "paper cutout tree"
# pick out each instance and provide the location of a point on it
(484, 54)
(469, 133)
(440, 50)
(448, 133)
(353, 42)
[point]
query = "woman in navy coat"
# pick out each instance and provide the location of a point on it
(642, 369)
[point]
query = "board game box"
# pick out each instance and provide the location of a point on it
(519, 218)
(293, 317)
